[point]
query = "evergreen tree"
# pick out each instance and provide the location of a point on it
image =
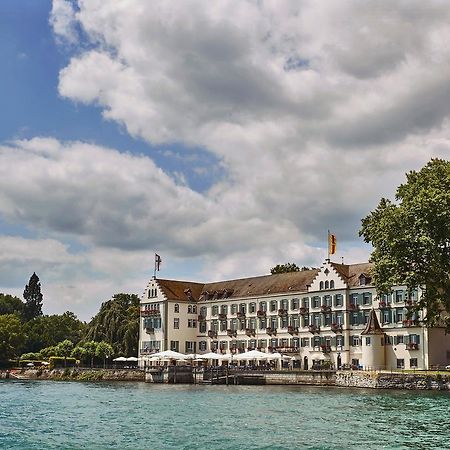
(33, 298)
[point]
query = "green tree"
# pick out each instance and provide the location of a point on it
(80, 353)
(33, 298)
(12, 337)
(411, 239)
(48, 331)
(90, 348)
(104, 351)
(284, 268)
(11, 305)
(117, 323)
(64, 349)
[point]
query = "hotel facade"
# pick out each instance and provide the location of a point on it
(322, 318)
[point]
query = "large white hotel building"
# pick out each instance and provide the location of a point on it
(327, 317)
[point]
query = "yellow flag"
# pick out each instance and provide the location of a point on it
(332, 243)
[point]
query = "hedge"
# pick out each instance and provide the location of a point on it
(59, 361)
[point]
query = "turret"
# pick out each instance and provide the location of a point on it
(373, 355)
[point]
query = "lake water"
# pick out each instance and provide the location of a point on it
(70, 415)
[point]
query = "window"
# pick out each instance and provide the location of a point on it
(367, 298)
(273, 305)
(223, 325)
(192, 323)
(332, 284)
(306, 320)
(203, 311)
(284, 304)
(263, 306)
(273, 323)
(413, 363)
(305, 302)
(295, 342)
(202, 346)
(215, 325)
(327, 300)
(339, 318)
(202, 327)
(176, 308)
(215, 310)
(304, 342)
(316, 341)
(262, 323)
(400, 363)
(295, 303)
(262, 343)
(354, 341)
(316, 319)
(224, 309)
(190, 309)
(190, 346)
(252, 307)
(175, 346)
(233, 324)
(242, 324)
(368, 341)
(295, 321)
(327, 320)
(243, 308)
(399, 339)
(223, 345)
(386, 298)
(338, 300)
(234, 308)
(327, 284)
(339, 340)
(399, 297)
(387, 316)
(176, 323)
(316, 302)
(321, 285)
(399, 314)
(388, 339)
(214, 346)
(284, 322)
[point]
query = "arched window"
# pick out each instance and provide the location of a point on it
(332, 284)
(327, 284)
(321, 285)
(176, 308)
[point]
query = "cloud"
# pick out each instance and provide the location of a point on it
(63, 21)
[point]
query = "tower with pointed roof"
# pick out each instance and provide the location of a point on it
(373, 349)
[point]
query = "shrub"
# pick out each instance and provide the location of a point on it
(58, 361)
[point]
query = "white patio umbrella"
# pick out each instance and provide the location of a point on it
(131, 359)
(120, 359)
(169, 354)
(252, 354)
(210, 355)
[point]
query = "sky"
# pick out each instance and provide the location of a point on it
(226, 136)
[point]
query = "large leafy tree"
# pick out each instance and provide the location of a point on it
(11, 337)
(411, 239)
(47, 331)
(11, 305)
(284, 268)
(117, 323)
(33, 298)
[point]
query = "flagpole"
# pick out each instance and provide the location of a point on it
(328, 241)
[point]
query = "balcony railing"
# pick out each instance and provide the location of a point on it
(314, 328)
(325, 308)
(231, 333)
(304, 310)
(409, 304)
(292, 330)
(384, 305)
(261, 313)
(149, 330)
(150, 312)
(325, 348)
(222, 316)
(240, 315)
(282, 312)
(212, 334)
(412, 346)
(271, 331)
(353, 307)
(336, 328)
(201, 318)
(250, 331)
(410, 323)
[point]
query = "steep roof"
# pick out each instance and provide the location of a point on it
(372, 326)
(175, 290)
(267, 284)
(352, 272)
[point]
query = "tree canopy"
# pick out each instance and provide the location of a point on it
(117, 323)
(11, 305)
(11, 337)
(33, 298)
(411, 239)
(284, 268)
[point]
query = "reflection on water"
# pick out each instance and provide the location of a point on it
(46, 414)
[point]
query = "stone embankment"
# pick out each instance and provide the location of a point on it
(388, 380)
(75, 374)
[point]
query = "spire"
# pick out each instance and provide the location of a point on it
(373, 326)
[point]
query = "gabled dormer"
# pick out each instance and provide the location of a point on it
(364, 279)
(328, 278)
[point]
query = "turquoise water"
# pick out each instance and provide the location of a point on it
(69, 415)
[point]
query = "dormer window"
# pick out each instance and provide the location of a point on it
(321, 285)
(364, 279)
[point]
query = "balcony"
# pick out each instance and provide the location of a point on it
(282, 312)
(325, 308)
(261, 313)
(222, 316)
(201, 317)
(231, 333)
(410, 304)
(304, 310)
(314, 329)
(384, 305)
(240, 315)
(271, 331)
(325, 348)
(353, 307)
(149, 330)
(336, 328)
(410, 323)
(212, 334)
(250, 331)
(412, 346)
(150, 312)
(292, 330)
